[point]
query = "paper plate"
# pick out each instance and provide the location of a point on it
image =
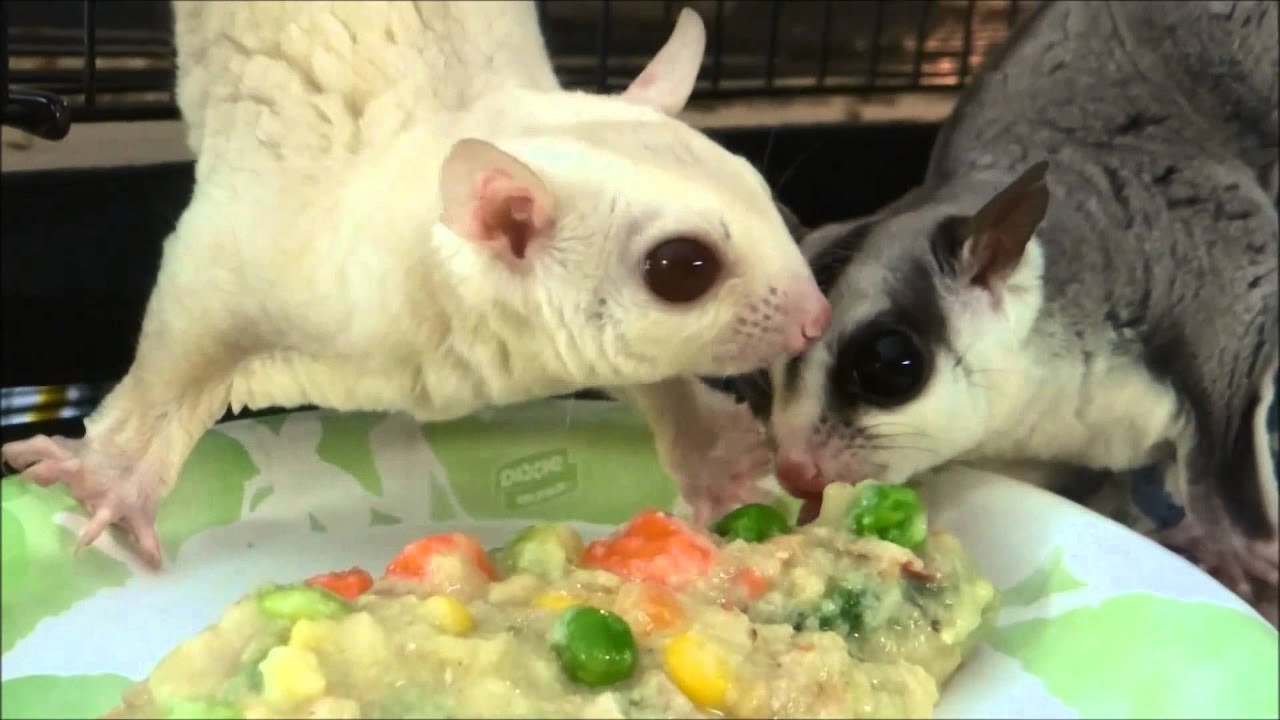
(1095, 622)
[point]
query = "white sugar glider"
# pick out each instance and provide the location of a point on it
(1129, 320)
(397, 208)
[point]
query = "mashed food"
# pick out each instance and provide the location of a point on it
(862, 613)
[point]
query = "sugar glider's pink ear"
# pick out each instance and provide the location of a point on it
(492, 198)
(667, 81)
(985, 250)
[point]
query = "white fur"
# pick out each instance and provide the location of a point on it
(997, 396)
(394, 325)
(312, 265)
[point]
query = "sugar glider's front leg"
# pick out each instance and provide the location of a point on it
(136, 442)
(714, 447)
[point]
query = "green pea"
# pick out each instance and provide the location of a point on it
(889, 512)
(595, 647)
(754, 523)
(200, 710)
(296, 602)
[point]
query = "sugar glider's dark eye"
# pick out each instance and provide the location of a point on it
(681, 269)
(884, 366)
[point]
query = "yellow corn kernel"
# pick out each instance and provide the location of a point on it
(448, 614)
(555, 600)
(699, 669)
(310, 634)
(290, 676)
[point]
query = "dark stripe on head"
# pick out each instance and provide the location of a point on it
(947, 240)
(914, 299)
(830, 262)
(828, 265)
(915, 309)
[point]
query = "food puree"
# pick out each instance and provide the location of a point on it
(862, 613)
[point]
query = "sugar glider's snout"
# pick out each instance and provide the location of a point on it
(808, 315)
(811, 308)
(773, 322)
(799, 475)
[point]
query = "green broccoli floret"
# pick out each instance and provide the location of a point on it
(843, 609)
(889, 512)
(545, 550)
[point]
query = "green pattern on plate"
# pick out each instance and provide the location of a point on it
(273, 422)
(1099, 659)
(40, 578)
(1051, 578)
(210, 491)
(555, 461)
(345, 444)
(593, 462)
(442, 509)
(377, 517)
(259, 496)
(57, 696)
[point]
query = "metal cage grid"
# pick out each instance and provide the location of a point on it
(92, 61)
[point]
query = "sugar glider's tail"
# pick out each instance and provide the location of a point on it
(1259, 446)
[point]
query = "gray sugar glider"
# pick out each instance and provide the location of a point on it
(1087, 277)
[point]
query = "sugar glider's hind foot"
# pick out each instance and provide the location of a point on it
(1248, 567)
(1259, 562)
(113, 489)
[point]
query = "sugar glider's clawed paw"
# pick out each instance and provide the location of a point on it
(1248, 567)
(720, 463)
(113, 489)
(1251, 567)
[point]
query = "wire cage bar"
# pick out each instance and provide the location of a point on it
(93, 61)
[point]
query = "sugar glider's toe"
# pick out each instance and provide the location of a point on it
(1250, 568)
(44, 460)
(115, 490)
(1261, 560)
(138, 519)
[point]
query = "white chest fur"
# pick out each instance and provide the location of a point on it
(1105, 413)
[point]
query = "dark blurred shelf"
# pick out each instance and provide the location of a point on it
(755, 48)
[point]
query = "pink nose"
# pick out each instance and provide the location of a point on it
(799, 476)
(809, 316)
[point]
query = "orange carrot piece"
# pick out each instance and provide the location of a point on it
(753, 583)
(346, 584)
(654, 547)
(414, 561)
(650, 607)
